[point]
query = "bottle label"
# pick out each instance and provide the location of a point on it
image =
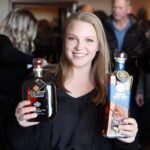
(122, 75)
(119, 101)
(37, 93)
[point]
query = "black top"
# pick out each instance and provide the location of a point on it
(78, 117)
(75, 127)
(13, 71)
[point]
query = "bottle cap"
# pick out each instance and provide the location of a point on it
(37, 62)
(120, 54)
(37, 67)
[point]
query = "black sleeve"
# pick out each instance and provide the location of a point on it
(10, 54)
(4, 41)
(20, 138)
(119, 145)
(28, 138)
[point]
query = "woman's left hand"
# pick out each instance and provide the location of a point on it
(128, 128)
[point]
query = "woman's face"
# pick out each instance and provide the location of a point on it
(81, 43)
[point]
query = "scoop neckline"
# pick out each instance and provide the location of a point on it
(82, 96)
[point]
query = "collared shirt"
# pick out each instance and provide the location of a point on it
(120, 34)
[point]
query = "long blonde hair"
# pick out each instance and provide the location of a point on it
(20, 26)
(100, 64)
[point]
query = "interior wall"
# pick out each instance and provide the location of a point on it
(44, 12)
(98, 4)
(137, 4)
(4, 8)
(104, 5)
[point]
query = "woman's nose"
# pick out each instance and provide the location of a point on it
(80, 45)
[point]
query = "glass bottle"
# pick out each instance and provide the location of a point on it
(40, 93)
(118, 97)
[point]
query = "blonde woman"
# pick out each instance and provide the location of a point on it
(17, 32)
(81, 94)
(20, 26)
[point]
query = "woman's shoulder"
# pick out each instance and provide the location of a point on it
(3, 37)
(4, 41)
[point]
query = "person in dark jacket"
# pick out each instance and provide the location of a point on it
(143, 89)
(123, 33)
(81, 89)
(17, 33)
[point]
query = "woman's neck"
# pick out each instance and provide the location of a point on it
(82, 72)
(80, 83)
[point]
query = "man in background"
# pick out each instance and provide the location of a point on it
(123, 33)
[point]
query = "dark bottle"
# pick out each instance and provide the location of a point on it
(40, 93)
(118, 97)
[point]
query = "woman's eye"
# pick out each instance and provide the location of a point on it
(89, 40)
(71, 38)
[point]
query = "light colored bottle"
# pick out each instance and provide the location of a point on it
(118, 97)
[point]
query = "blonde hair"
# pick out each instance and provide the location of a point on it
(100, 64)
(20, 26)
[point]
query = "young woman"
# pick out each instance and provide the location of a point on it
(81, 85)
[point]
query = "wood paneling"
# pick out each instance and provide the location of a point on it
(137, 4)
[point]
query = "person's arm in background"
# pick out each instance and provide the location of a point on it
(140, 91)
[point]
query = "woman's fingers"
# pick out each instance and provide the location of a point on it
(25, 112)
(23, 104)
(129, 128)
(27, 124)
(26, 117)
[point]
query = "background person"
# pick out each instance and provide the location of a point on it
(123, 33)
(17, 33)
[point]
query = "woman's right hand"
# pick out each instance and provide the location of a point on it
(24, 112)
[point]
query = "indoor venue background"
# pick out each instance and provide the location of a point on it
(5, 5)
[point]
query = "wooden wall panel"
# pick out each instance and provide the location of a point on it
(137, 4)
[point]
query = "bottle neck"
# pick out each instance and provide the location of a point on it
(38, 72)
(119, 65)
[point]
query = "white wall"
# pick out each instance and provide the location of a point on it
(104, 5)
(97, 4)
(4, 8)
